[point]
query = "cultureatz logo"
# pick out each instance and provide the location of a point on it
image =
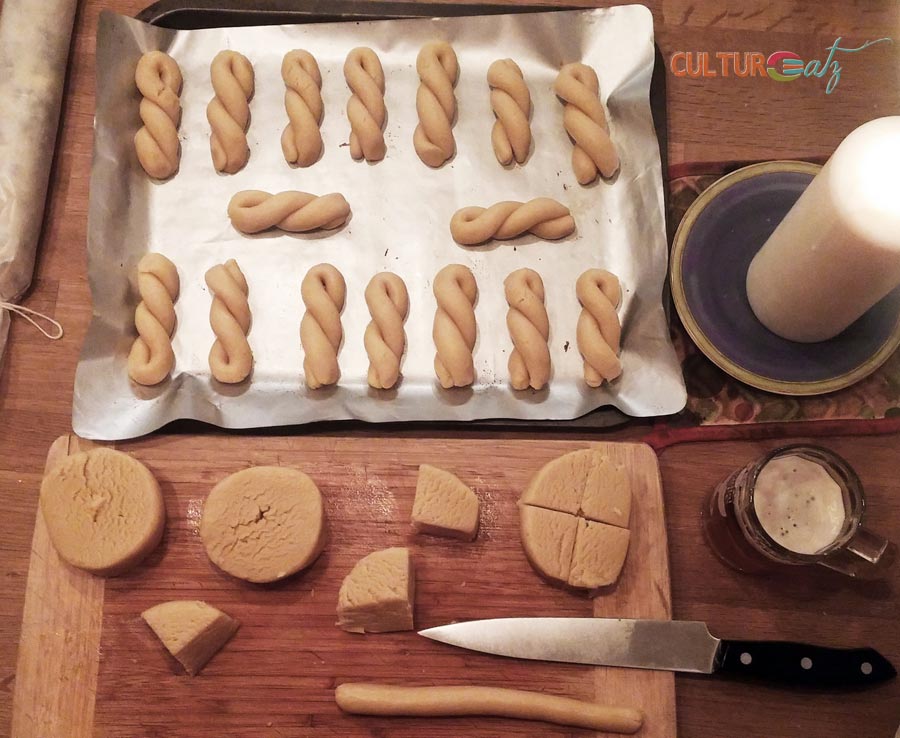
(781, 66)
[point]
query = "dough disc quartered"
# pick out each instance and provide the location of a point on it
(548, 538)
(587, 483)
(264, 523)
(103, 509)
(574, 517)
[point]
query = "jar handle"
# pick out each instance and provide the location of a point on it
(865, 556)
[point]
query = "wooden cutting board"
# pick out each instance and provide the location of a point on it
(90, 668)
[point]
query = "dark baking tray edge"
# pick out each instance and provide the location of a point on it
(194, 14)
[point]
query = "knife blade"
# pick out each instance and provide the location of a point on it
(671, 645)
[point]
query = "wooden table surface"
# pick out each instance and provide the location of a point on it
(710, 119)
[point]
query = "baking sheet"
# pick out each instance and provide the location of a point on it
(401, 212)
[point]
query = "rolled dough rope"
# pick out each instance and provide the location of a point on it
(230, 358)
(544, 217)
(365, 109)
(388, 303)
(323, 291)
(387, 701)
(599, 331)
(228, 112)
(529, 328)
(454, 329)
(151, 357)
(511, 101)
(252, 211)
(301, 141)
(158, 78)
(585, 122)
(438, 70)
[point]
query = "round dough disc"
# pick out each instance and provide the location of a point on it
(264, 523)
(104, 510)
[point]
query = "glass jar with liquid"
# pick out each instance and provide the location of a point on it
(796, 505)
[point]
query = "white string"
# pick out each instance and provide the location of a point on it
(24, 312)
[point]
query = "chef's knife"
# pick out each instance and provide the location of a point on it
(666, 644)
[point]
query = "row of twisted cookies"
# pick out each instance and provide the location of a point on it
(253, 211)
(598, 332)
(159, 80)
(324, 292)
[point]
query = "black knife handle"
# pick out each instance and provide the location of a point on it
(804, 665)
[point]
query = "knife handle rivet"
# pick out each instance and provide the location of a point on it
(806, 663)
(866, 668)
(746, 658)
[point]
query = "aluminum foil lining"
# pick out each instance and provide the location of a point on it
(400, 222)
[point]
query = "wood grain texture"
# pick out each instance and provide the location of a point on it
(56, 675)
(646, 587)
(278, 674)
(709, 120)
(810, 604)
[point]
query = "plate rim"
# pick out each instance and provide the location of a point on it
(702, 341)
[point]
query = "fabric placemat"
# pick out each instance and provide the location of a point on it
(720, 407)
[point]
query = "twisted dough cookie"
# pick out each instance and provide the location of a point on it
(301, 141)
(323, 291)
(159, 80)
(454, 329)
(228, 112)
(230, 358)
(435, 103)
(388, 303)
(511, 101)
(365, 109)
(252, 211)
(599, 330)
(529, 328)
(585, 123)
(544, 217)
(151, 358)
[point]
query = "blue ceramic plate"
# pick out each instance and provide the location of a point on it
(719, 236)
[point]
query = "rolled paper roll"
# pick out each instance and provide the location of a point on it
(837, 251)
(34, 54)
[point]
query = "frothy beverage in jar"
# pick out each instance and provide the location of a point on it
(799, 504)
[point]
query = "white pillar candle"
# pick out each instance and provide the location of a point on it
(837, 251)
